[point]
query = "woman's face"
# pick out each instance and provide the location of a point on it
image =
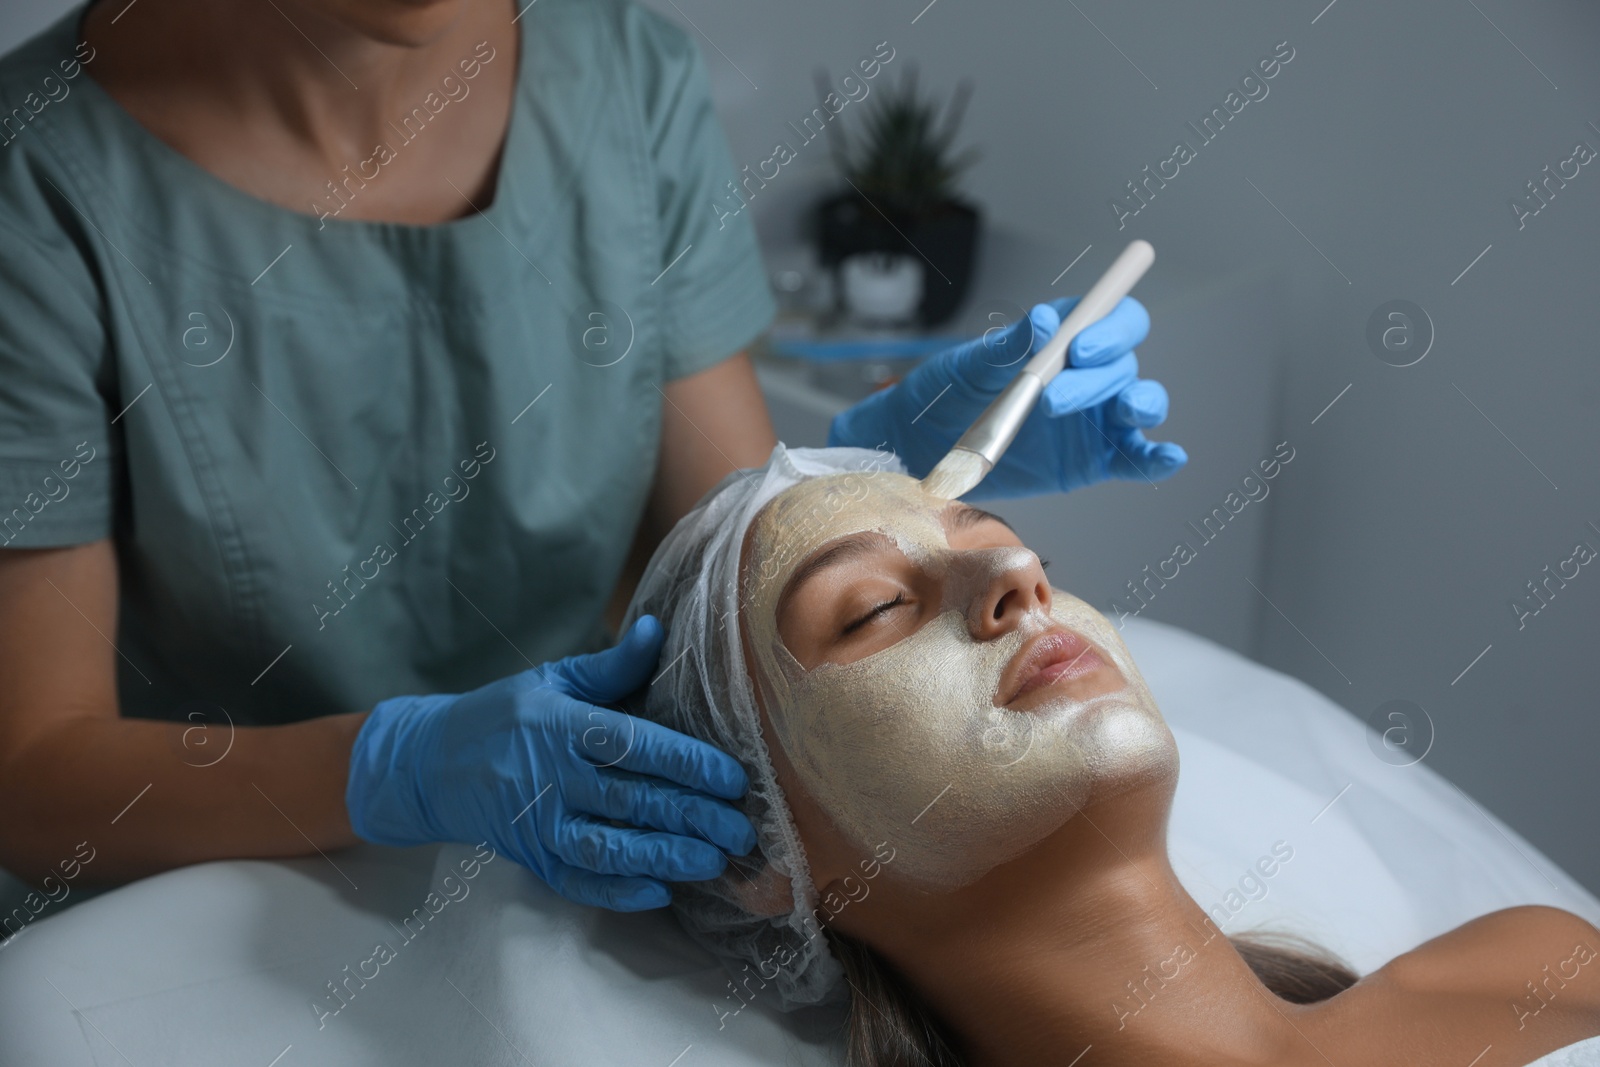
(928, 689)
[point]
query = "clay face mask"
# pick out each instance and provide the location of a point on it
(906, 745)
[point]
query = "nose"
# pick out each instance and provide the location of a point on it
(999, 587)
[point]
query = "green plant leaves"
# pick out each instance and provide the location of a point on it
(903, 155)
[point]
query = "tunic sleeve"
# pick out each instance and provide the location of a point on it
(716, 299)
(56, 438)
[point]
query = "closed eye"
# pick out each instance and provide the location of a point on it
(887, 605)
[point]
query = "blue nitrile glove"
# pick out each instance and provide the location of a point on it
(1085, 430)
(531, 765)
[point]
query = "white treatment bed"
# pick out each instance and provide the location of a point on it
(224, 962)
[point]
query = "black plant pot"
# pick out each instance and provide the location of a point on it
(944, 239)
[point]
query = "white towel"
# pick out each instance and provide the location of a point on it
(1585, 1053)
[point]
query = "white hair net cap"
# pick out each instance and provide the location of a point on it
(759, 911)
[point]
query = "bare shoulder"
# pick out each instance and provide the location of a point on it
(1530, 974)
(1499, 991)
(1520, 941)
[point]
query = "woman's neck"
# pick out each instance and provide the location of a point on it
(281, 100)
(1115, 956)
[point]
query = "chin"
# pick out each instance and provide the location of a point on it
(405, 23)
(1143, 750)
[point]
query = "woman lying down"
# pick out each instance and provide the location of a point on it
(960, 784)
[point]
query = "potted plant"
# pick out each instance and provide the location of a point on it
(900, 194)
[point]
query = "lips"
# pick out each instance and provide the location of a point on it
(1044, 659)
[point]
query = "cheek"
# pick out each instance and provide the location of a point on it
(905, 748)
(924, 690)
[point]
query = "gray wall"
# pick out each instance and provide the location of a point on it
(1380, 164)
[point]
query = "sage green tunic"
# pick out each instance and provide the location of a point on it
(344, 460)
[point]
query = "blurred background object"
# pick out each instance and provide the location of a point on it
(902, 171)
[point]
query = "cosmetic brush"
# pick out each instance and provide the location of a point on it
(981, 447)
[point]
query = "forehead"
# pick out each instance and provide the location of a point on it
(808, 515)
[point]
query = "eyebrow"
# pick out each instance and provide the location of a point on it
(966, 515)
(842, 551)
(839, 552)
